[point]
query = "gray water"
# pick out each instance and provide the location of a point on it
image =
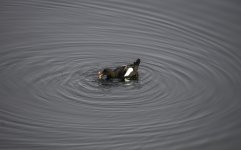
(188, 96)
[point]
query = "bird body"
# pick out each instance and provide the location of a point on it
(125, 73)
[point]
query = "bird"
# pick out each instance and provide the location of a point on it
(124, 73)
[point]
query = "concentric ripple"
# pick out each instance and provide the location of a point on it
(187, 97)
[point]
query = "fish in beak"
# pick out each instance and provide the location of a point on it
(100, 75)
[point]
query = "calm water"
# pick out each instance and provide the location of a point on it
(188, 96)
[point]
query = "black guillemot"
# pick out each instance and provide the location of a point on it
(124, 73)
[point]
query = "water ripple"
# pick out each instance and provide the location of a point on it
(187, 96)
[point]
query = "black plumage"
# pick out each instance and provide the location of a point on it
(124, 73)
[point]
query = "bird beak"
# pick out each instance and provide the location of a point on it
(100, 75)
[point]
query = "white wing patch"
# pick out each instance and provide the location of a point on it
(128, 72)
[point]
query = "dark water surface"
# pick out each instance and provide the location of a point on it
(188, 96)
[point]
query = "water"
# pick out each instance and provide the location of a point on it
(188, 95)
